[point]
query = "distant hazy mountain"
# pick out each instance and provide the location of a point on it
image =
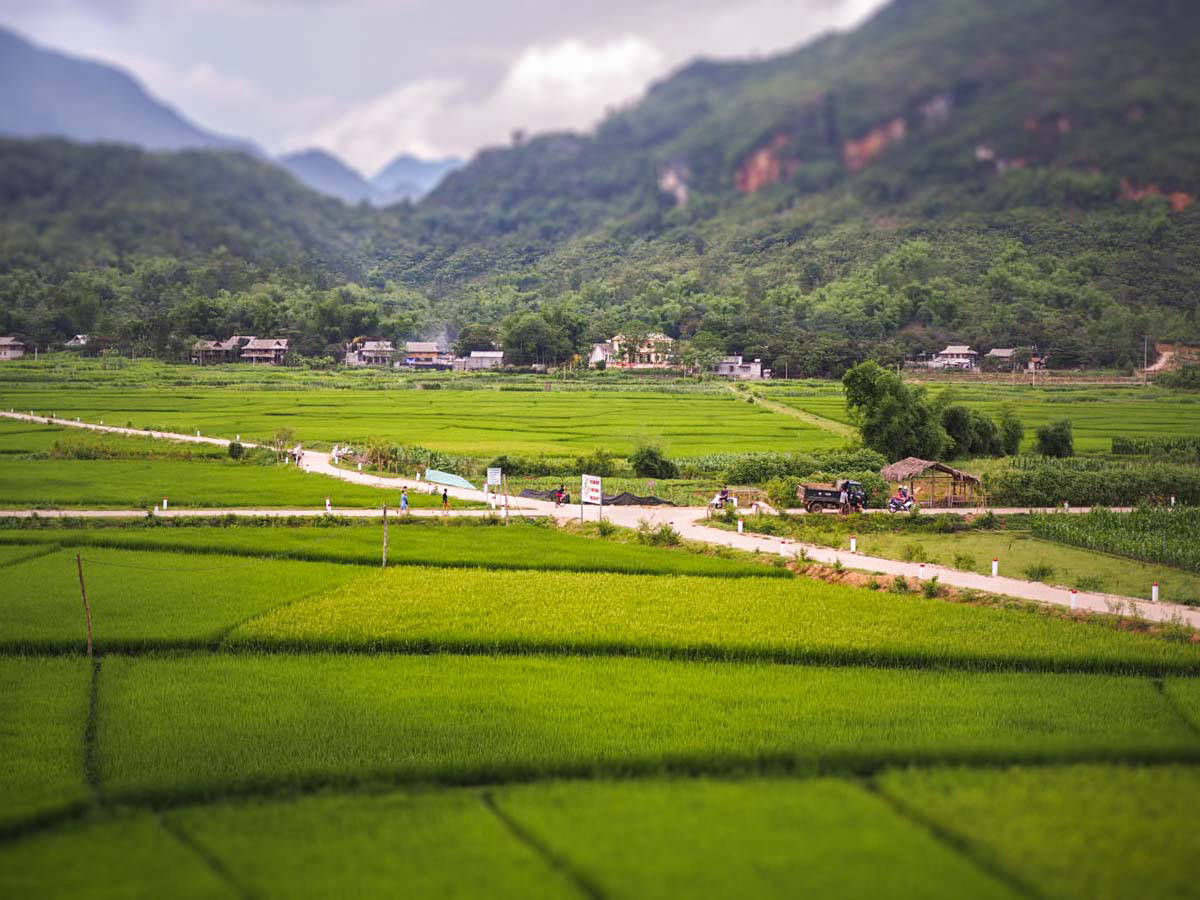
(48, 94)
(408, 177)
(326, 173)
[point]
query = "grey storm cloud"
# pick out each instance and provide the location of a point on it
(368, 79)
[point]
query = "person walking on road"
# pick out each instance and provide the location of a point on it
(445, 502)
(844, 501)
(404, 502)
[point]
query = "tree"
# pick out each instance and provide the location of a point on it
(1056, 440)
(970, 433)
(1012, 432)
(528, 338)
(475, 337)
(649, 462)
(894, 419)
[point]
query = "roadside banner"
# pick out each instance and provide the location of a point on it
(493, 477)
(591, 491)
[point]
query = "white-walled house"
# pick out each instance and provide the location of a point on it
(735, 367)
(654, 351)
(955, 356)
(11, 348)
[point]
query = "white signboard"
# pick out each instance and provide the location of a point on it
(493, 477)
(592, 492)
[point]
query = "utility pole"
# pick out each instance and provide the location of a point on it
(87, 610)
(1145, 355)
(385, 535)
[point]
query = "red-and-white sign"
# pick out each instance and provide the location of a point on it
(592, 492)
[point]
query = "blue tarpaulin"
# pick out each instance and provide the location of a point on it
(447, 478)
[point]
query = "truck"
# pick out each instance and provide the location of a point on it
(818, 497)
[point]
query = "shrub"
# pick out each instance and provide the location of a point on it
(914, 552)
(519, 465)
(1086, 482)
(236, 450)
(1038, 571)
(649, 462)
(599, 462)
(1093, 583)
(662, 536)
(899, 585)
(1012, 432)
(781, 491)
(964, 561)
(931, 588)
(1056, 440)
(605, 528)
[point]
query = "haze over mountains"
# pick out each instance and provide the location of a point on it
(44, 93)
(963, 171)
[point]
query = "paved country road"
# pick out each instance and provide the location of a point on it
(688, 521)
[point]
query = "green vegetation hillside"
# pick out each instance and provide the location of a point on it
(993, 173)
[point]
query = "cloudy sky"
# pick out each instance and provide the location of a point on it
(368, 79)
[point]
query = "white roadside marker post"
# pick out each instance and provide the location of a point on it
(995, 566)
(328, 506)
(741, 525)
(1074, 600)
(853, 544)
(921, 571)
(1154, 592)
(164, 504)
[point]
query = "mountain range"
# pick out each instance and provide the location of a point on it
(44, 93)
(967, 171)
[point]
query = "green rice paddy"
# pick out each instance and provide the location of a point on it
(520, 711)
(1097, 414)
(479, 423)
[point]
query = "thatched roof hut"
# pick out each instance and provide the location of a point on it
(934, 483)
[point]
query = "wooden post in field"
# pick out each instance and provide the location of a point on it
(87, 610)
(505, 499)
(385, 535)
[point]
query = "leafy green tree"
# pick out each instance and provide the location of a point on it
(893, 418)
(649, 462)
(528, 339)
(475, 336)
(1056, 439)
(1012, 432)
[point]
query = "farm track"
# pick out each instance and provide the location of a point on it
(838, 428)
(688, 521)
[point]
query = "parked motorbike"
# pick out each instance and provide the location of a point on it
(897, 505)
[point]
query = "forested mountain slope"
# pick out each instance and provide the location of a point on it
(992, 172)
(48, 94)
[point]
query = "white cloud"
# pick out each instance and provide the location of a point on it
(564, 85)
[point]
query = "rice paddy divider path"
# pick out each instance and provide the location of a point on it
(841, 429)
(688, 521)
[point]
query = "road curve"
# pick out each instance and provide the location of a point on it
(688, 521)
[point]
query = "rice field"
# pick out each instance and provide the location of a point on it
(480, 423)
(142, 471)
(474, 543)
(528, 712)
(787, 620)
(1097, 414)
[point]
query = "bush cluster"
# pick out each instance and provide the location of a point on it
(1051, 483)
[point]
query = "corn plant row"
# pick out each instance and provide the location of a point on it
(1150, 534)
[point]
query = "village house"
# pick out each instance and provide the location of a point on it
(78, 342)
(11, 348)
(655, 351)
(427, 355)
(734, 367)
(266, 351)
(207, 353)
(369, 353)
(479, 360)
(1001, 358)
(955, 356)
